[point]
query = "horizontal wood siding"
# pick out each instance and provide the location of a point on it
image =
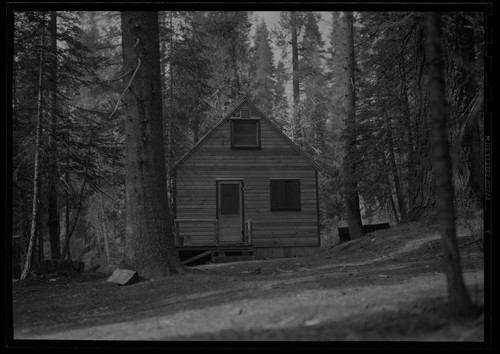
(200, 233)
(196, 188)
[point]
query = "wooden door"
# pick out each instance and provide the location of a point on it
(230, 211)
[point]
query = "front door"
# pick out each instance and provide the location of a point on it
(230, 211)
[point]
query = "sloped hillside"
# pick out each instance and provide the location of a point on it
(388, 285)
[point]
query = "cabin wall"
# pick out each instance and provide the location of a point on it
(196, 189)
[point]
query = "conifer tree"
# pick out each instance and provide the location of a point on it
(287, 38)
(53, 210)
(457, 291)
(351, 195)
(313, 82)
(281, 108)
(263, 74)
(150, 248)
(36, 183)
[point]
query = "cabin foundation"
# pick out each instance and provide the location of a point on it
(191, 256)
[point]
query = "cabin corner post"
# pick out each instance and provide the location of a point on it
(249, 232)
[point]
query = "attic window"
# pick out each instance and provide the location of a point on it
(245, 133)
(285, 194)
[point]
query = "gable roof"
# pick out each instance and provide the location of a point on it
(263, 117)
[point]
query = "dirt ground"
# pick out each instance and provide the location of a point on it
(386, 286)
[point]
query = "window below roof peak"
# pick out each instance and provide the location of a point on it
(245, 133)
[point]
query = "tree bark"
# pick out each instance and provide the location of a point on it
(468, 149)
(66, 247)
(421, 185)
(295, 77)
(406, 126)
(351, 197)
(149, 247)
(105, 233)
(394, 169)
(457, 292)
(168, 87)
(170, 121)
(53, 210)
(34, 213)
(40, 251)
(406, 116)
(389, 190)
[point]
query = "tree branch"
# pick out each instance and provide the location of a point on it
(126, 88)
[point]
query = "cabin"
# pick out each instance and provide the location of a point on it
(245, 191)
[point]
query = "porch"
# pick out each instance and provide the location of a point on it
(194, 255)
(211, 226)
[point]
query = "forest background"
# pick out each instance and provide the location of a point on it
(67, 83)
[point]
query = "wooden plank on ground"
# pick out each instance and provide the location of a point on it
(124, 277)
(201, 255)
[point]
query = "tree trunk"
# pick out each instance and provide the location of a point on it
(40, 251)
(295, 78)
(105, 233)
(406, 126)
(149, 247)
(351, 197)
(66, 253)
(170, 120)
(421, 185)
(389, 190)
(406, 116)
(394, 169)
(457, 292)
(465, 115)
(34, 214)
(53, 210)
(98, 243)
(168, 99)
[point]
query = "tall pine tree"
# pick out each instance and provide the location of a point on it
(351, 195)
(262, 75)
(150, 246)
(313, 83)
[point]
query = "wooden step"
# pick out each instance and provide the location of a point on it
(226, 259)
(224, 253)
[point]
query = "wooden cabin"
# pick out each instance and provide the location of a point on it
(245, 189)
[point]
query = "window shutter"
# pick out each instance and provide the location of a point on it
(285, 194)
(278, 200)
(293, 194)
(273, 189)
